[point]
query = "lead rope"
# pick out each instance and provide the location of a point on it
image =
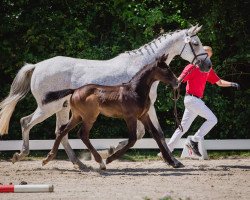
(176, 96)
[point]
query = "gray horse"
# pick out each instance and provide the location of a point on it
(60, 73)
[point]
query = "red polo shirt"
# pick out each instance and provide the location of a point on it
(196, 79)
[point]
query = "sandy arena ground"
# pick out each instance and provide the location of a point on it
(212, 179)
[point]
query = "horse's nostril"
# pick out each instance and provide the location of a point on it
(198, 62)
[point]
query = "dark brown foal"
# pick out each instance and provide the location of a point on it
(129, 101)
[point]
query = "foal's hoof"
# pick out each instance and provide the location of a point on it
(177, 165)
(15, 158)
(108, 160)
(44, 162)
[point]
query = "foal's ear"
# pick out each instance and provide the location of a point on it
(162, 62)
(164, 58)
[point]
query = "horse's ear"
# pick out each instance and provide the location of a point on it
(192, 29)
(198, 29)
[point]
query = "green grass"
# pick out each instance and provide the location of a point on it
(228, 154)
(132, 155)
(141, 155)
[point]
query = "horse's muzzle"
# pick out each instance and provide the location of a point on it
(204, 65)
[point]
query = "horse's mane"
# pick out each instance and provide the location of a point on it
(153, 41)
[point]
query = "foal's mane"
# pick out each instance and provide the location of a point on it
(137, 77)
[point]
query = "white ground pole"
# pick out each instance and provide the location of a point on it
(26, 188)
(33, 188)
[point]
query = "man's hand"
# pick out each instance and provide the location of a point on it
(236, 85)
(179, 84)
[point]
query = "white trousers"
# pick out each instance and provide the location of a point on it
(193, 107)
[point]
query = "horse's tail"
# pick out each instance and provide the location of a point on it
(56, 95)
(19, 88)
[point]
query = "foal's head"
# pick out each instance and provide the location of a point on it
(163, 72)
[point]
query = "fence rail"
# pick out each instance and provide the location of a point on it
(146, 143)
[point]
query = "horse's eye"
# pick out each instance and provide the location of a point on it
(196, 43)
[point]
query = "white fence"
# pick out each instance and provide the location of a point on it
(147, 143)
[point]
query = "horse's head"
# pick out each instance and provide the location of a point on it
(164, 73)
(192, 49)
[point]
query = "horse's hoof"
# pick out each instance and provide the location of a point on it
(79, 165)
(75, 166)
(102, 166)
(15, 157)
(111, 150)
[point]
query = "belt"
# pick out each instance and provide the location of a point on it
(192, 95)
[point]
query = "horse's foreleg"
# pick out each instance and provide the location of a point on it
(154, 119)
(160, 139)
(151, 111)
(62, 118)
(63, 130)
(27, 123)
(131, 123)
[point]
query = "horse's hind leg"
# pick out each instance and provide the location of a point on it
(131, 123)
(84, 135)
(27, 123)
(63, 130)
(62, 118)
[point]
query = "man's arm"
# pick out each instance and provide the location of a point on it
(223, 83)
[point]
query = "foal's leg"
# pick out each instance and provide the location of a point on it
(27, 123)
(140, 132)
(62, 118)
(160, 139)
(63, 131)
(84, 135)
(131, 123)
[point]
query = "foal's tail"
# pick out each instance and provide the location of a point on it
(56, 95)
(18, 90)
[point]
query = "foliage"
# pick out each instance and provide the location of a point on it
(31, 31)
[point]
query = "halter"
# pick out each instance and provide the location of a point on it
(195, 55)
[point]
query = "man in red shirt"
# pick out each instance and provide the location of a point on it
(194, 106)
